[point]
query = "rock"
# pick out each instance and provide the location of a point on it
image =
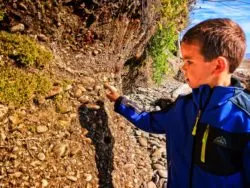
(45, 183)
(15, 119)
(163, 173)
(78, 93)
(60, 149)
(23, 6)
(84, 99)
(93, 106)
(88, 81)
(158, 167)
(54, 91)
(151, 185)
(88, 177)
(41, 129)
(17, 174)
(42, 37)
(74, 149)
(17, 28)
(143, 142)
(158, 153)
(68, 87)
(2, 135)
(41, 156)
(72, 178)
(95, 52)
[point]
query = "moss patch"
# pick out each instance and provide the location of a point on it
(18, 87)
(24, 50)
(2, 13)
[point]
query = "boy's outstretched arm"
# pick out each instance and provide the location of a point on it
(148, 121)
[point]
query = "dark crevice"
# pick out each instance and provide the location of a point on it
(96, 122)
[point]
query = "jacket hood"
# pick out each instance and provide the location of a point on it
(206, 96)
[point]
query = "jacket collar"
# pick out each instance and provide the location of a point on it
(206, 97)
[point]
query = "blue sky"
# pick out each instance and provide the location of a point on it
(237, 10)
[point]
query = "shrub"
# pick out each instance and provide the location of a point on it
(164, 43)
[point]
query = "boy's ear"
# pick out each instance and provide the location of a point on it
(221, 65)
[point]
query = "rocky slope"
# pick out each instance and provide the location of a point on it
(70, 136)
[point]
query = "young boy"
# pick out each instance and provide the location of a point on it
(208, 131)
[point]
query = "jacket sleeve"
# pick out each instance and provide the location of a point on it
(246, 164)
(153, 122)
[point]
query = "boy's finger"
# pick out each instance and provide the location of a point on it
(111, 88)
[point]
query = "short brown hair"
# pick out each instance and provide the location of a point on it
(219, 37)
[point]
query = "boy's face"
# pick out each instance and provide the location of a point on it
(196, 70)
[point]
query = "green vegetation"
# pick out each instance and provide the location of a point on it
(23, 50)
(2, 14)
(17, 87)
(164, 42)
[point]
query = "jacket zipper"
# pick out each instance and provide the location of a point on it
(196, 123)
(204, 143)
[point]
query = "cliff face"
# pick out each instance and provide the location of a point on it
(70, 136)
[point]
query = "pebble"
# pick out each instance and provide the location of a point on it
(42, 37)
(45, 183)
(41, 156)
(88, 177)
(163, 173)
(93, 106)
(60, 149)
(143, 142)
(54, 91)
(158, 167)
(41, 129)
(72, 178)
(78, 93)
(84, 99)
(151, 185)
(17, 28)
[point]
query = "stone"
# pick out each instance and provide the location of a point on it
(72, 178)
(17, 28)
(158, 167)
(41, 156)
(151, 185)
(42, 37)
(88, 177)
(41, 129)
(84, 99)
(143, 142)
(93, 106)
(45, 183)
(78, 93)
(60, 149)
(163, 173)
(54, 91)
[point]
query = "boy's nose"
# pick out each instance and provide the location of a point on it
(183, 67)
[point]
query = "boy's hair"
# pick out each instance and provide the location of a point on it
(219, 37)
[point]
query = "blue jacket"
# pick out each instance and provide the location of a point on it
(208, 136)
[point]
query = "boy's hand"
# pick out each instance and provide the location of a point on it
(112, 94)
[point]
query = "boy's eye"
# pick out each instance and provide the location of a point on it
(189, 62)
